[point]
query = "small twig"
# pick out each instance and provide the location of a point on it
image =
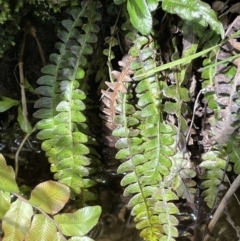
(21, 76)
(41, 52)
(19, 149)
(222, 205)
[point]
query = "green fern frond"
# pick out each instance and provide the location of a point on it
(214, 165)
(225, 121)
(209, 74)
(61, 109)
(181, 177)
(226, 84)
(145, 148)
(233, 150)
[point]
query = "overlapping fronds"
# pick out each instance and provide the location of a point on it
(225, 122)
(37, 218)
(61, 107)
(227, 82)
(144, 142)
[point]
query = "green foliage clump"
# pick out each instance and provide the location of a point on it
(145, 110)
(62, 127)
(48, 198)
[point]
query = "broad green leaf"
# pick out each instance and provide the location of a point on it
(192, 10)
(80, 239)
(7, 103)
(17, 220)
(23, 122)
(5, 201)
(152, 4)
(42, 229)
(7, 177)
(140, 15)
(80, 222)
(50, 196)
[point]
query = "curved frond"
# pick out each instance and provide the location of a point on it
(61, 109)
(144, 143)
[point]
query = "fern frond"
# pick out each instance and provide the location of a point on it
(225, 121)
(61, 108)
(227, 82)
(214, 165)
(181, 177)
(144, 147)
(233, 150)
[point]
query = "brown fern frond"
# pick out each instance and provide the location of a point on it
(226, 88)
(110, 99)
(110, 96)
